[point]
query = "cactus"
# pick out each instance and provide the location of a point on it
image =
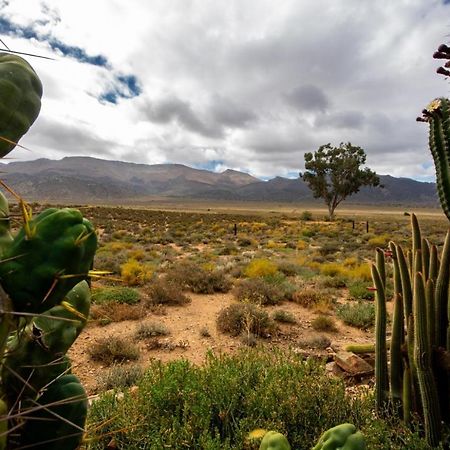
(44, 296)
(20, 100)
(341, 437)
(273, 440)
(419, 357)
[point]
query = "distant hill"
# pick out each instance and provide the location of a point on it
(86, 180)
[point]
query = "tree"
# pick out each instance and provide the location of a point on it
(334, 173)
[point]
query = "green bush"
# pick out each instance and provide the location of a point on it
(258, 291)
(359, 291)
(214, 406)
(125, 295)
(120, 377)
(359, 315)
(324, 323)
(244, 317)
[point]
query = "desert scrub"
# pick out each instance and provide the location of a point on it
(113, 349)
(126, 295)
(243, 317)
(260, 268)
(120, 377)
(359, 291)
(115, 312)
(282, 316)
(214, 406)
(359, 315)
(308, 297)
(192, 276)
(164, 291)
(135, 273)
(324, 323)
(257, 291)
(151, 329)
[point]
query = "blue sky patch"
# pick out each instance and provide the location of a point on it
(126, 86)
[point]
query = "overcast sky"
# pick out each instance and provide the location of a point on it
(244, 84)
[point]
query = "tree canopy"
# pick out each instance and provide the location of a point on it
(334, 173)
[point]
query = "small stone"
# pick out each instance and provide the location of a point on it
(352, 363)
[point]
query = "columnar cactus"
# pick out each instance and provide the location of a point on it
(419, 355)
(44, 296)
(420, 339)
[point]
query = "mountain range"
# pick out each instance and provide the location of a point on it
(92, 180)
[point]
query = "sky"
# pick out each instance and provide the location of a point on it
(249, 85)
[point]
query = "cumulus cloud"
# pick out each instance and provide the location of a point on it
(249, 85)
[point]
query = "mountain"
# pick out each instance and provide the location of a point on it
(86, 180)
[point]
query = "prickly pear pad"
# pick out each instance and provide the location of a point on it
(20, 99)
(341, 437)
(59, 425)
(49, 256)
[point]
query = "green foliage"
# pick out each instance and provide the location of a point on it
(323, 323)
(359, 291)
(334, 173)
(214, 406)
(120, 377)
(126, 295)
(359, 315)
(343, 436)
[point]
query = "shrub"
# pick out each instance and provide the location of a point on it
(120, 377)
(113, 349)
(150, 330)
(359, 272)
(166, 292)
(213, 406)
(134, 273)
(115, 312)
(125, 295)
(324, 323)
(379, 241)
(192, 276)
(359, 315)
(244, 317)
(359, 291)
(331, 269)
(283, 316)
(260, 268)
(306, 215)
(257, 291)
(307, 297)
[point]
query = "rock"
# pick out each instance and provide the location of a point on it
(352, 364)
(333, 369)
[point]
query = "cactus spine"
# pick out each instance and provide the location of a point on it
(44, 296)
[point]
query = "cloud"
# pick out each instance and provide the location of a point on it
(123, 86)
(308, 98)
(248, 85)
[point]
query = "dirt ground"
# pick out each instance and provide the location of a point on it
(186, 339)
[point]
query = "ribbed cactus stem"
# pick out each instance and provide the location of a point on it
(416, 243)
(407, 394)
(441, 295)
(422, 360)
(429, 297)
(434, 263)
(425, 258)
(437, 115)
(396, 366)
(381, 265)
(381, 367)
(406, 281)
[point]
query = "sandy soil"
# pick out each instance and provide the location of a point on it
(185, 340)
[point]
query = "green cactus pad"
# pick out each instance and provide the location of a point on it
(61, 424)
(341, 437)
(5, 233)
(20, 100)
(47, 258)
(36, 354)
(273, 440)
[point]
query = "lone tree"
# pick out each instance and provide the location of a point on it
(334, 173)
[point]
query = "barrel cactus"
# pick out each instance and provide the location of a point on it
(44, 296)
